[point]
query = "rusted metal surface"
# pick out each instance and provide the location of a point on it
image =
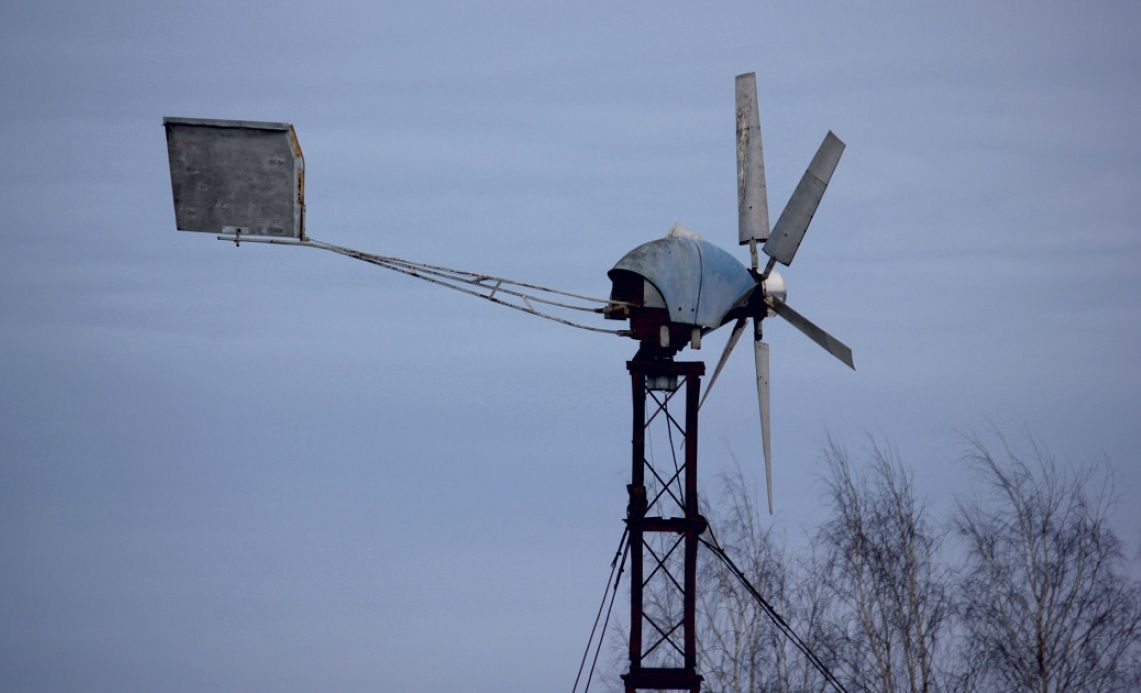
(236, 174)
(651, 496)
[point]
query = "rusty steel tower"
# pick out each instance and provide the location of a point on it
(664, 523)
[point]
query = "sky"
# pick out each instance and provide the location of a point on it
(261, 468)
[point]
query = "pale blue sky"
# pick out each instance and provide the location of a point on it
(269, 469)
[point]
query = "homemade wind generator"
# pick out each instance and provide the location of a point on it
(245, 181)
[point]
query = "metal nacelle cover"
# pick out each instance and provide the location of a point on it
(698, 281)
(236, 174)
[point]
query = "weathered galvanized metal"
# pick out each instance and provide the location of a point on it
(794, 220)
(698, 282)
(752, 195)
(761, 362)
(236, 175)
(812, 331)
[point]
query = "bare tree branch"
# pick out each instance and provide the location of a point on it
(1045, 603)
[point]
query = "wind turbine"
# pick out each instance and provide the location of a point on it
(245, 181)
(727, 292)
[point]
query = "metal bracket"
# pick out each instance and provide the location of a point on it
(237, 232)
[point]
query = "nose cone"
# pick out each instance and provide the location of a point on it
(775, 287)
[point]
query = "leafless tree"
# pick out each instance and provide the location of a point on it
(1045, 603)
(740, 648)
(1038, 601)
(892, 601)
(870, 600)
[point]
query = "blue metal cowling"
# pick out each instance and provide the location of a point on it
(698, 281)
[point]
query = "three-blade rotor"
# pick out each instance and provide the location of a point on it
(780, 246)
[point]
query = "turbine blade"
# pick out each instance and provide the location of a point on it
(761, 356)
(798, 213)
(736, 335)
(831, 344)
(752, 196)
